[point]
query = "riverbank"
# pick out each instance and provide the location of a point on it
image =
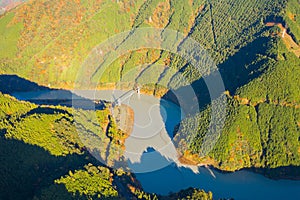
(280, 173)
(193, 161)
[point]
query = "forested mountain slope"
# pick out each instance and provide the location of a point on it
(262, 127)
(47, 41)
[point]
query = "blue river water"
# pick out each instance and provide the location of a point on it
(240, 185)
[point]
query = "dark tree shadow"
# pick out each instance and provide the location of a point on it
(239, 69)
(46, 110)
(26, 169)
(11, 83)
(23, 89)
(286, 172)
(236, 71)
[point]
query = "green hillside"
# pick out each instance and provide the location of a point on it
(49, 40)
(262, 127)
